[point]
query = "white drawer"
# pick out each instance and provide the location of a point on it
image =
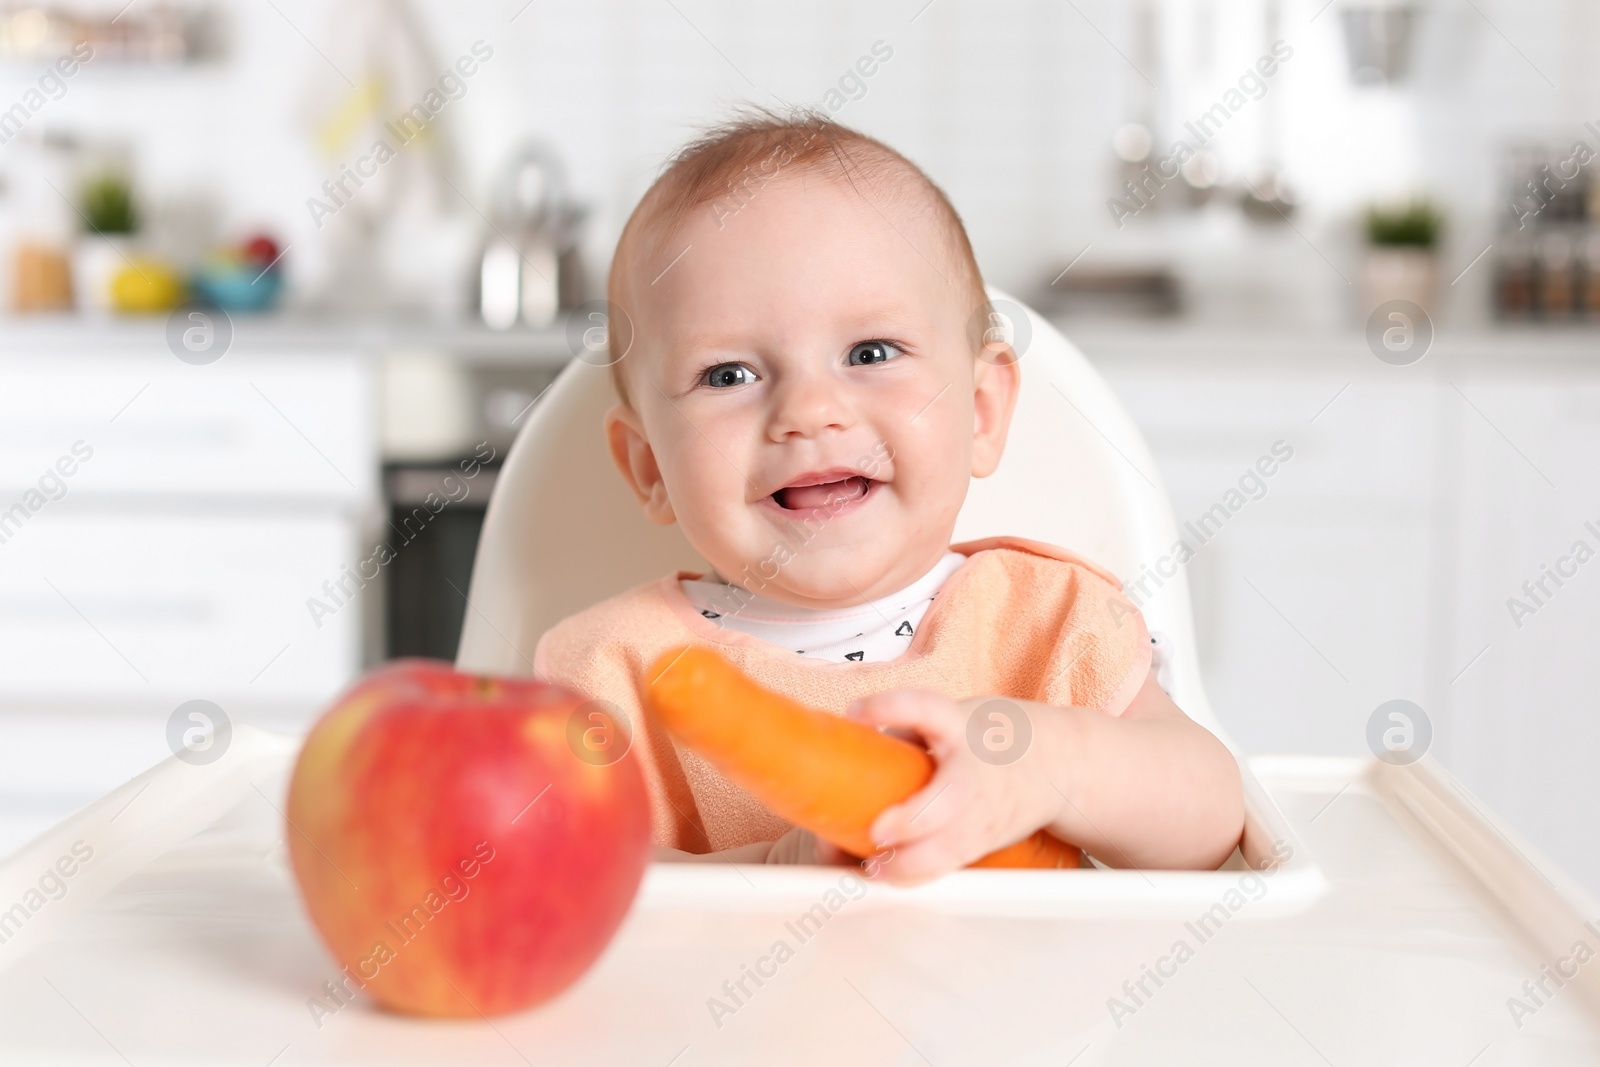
(283, 424)
(121, 609)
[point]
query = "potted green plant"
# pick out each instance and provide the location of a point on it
(110, 220)
(1402, 261)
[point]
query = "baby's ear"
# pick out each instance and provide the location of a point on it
(997, 378)
(636, 462)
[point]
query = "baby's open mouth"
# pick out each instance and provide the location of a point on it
(801, 497)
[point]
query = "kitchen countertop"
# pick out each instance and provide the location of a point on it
(1103, 339)
(465, 340)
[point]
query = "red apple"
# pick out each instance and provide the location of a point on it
(465, 845)
(261, 249)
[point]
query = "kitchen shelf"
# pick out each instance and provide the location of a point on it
(468, 340)
(1289, 348)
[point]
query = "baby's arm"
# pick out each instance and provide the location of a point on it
(1150, 788)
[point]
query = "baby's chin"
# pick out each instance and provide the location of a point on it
(826, 574)
(829, 588)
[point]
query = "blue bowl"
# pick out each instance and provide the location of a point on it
(238, 288)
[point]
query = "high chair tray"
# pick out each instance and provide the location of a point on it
(1421, 934)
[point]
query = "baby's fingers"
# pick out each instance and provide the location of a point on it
(928, 713)
(920, 861)
(924, 812)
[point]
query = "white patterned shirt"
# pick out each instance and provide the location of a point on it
(877, 631)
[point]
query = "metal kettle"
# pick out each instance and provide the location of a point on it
(529, 269)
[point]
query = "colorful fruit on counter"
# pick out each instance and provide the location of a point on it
(456, 850)
(144, 286)
(246, 277)
(261, 249)
(828, 774)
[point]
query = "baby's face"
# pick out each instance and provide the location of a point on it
(811, 337)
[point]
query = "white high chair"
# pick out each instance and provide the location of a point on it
(563, 531)
(183, 940)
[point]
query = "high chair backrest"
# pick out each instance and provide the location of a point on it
(563, 531)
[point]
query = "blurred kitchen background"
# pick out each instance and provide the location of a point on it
(279, 277)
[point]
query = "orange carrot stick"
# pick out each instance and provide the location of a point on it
(820, 771)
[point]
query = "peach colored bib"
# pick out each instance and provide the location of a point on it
(1019, 618)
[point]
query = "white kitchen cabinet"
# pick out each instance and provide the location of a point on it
(262, 425)
(162, 524)
(144, 609)
(1379, 563)
(1527, 713)
(1312, 598)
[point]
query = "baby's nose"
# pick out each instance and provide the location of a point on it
(808, 405)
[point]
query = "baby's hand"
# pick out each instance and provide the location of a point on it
(971, 806)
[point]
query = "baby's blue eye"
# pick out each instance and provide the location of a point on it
(725, 374)
(871, 352)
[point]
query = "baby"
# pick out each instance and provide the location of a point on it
(807, 386)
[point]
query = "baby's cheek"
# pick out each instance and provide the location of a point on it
(935, 458)
(709, 505)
